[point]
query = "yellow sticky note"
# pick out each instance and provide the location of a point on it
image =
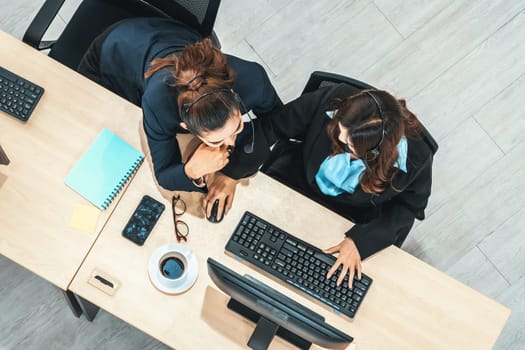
(84, 218)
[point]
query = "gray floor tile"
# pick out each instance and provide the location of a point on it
(472, 83)
(472, 213)
(442, 42)
(237, 19)
(513, 335)
(16, 15)
(502, 117)
(505, 247)
(478, 272)
(407, 16)
(452, 169)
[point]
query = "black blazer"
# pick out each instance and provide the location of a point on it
(126, 52)
(379, 218)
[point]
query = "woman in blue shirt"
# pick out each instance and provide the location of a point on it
(362, 155)
(168, 68)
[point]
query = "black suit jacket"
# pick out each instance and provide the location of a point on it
(126, 52)
(379, 218)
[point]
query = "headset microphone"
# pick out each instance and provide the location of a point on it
(248, 148)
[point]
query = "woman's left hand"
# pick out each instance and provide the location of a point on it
(348, 257)
(223, 189)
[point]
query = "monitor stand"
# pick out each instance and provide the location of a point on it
(265, 330)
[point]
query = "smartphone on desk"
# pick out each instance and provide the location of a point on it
(143, 219)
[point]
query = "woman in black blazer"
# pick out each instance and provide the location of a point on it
(363, 155)
(185, 85)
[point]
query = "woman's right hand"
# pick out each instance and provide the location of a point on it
(348, 258)
(206, 160)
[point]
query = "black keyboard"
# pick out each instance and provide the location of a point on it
(18, 96)
(295, 262)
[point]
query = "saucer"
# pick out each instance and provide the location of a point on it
(177, 286)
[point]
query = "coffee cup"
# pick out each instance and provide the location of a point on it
(173, 268)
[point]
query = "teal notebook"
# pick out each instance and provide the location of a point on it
(104, 169)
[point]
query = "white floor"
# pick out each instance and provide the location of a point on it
(460, 65)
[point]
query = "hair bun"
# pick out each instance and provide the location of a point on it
(196, 82)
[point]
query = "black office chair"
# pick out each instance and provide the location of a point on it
(321, 79)
(318, 80)
(93, 16)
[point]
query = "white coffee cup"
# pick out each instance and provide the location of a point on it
(173, 268)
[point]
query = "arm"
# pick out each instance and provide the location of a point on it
(165, 154)
(266, 100)
(254, 87)
(295, 118)
(397, 215)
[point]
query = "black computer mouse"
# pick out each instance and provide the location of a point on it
(213, 216)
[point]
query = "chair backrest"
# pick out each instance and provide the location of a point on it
(92, 17)
(320, 79)
(198, 14)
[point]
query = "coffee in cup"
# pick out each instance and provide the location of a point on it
(173, 266)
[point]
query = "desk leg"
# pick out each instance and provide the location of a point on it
(72, 302)
(90, 310)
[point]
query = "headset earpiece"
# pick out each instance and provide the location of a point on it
(375, 150)
(238, 99)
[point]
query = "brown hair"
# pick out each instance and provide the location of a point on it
(366, 121)
(200, 73)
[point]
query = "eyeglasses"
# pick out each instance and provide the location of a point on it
(181, 228)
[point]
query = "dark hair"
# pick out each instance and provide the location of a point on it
(209, 111)
(360, 115)
(204, 81)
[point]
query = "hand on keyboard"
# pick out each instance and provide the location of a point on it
(300, 264)
(348, 257)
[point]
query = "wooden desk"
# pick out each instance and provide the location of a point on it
(410, 305)
(35, 204)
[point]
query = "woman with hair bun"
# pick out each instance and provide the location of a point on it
(364, 156)
(186, 85)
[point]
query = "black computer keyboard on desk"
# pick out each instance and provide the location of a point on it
(18, 96)
(296, 262)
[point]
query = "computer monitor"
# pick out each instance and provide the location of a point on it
(274, 313)
(3, 157)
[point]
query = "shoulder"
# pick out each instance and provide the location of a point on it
(159, 104)
(250, 77)
(420, 157)
(418, 149)
(153, 25)
(253, 85)
(326, 97)
(242, 66)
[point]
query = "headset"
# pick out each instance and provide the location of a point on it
(185, 109)
(375, 150)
